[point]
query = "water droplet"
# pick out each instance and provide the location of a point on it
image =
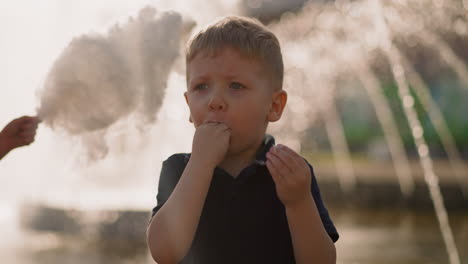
(399, 71)
(408, 101)
(423, 150)
(417, 132)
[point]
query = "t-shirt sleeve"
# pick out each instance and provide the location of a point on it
(326, 220)
(171, 170)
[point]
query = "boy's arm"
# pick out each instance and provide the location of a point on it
(172, 229)
(311, 242)
(293, 178)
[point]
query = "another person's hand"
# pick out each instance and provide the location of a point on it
(210, 143)
(290, 173)
(17, 133)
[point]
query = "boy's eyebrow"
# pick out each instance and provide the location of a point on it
(198, 78)
(232, 76)
(205, 77)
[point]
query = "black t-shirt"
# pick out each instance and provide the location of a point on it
(242, 220)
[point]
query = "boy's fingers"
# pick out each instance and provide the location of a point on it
(299, 161)
(278, 179)
(279, 165)
(287, 157)
(291, 152)
(283, 160)
(219, 125)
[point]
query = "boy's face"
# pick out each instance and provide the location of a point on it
(234, 90)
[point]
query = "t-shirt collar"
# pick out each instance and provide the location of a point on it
(260, 156)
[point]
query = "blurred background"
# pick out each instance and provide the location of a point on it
(378, 103)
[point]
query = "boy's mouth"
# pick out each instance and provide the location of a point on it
(215, 121)
(218, 122)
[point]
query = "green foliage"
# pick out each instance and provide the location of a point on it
(361, 128)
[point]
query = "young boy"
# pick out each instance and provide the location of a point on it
(238, 198)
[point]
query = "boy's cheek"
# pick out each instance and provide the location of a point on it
(194, 120)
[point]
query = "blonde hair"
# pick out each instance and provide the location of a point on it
(247, 36)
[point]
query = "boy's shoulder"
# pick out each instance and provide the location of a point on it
(178, 157)
(176, 161)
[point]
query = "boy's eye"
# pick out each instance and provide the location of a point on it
(236, 86)
(201, 86)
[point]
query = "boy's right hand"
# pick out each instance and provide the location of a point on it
(210, 143)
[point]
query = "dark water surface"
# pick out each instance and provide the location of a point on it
(377, 236)
(396, 236)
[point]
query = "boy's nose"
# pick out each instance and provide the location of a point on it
(217, 103)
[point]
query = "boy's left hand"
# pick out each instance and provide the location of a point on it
(290, 173)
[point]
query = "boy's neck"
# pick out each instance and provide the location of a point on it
(235, 163)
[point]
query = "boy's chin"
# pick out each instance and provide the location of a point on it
(233, 148)
(236, 148)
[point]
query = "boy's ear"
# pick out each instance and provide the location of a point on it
(186, 100)
(278, 102)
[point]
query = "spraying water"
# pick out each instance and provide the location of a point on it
(437, 118)
(447, 54)
(339, 145)
(426, 161)
(394, 142)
